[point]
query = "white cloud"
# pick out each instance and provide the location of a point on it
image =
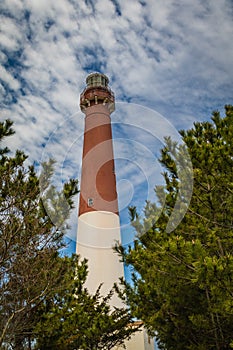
(9, 79)
(174, 57)
(10, 36)
(13, 6)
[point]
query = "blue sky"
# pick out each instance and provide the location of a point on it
(167, 61)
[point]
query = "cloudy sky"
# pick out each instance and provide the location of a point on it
(169, 62)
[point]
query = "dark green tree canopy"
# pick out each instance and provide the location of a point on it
(183, 278)
(29, 242)
(43, 303)
(74, 319)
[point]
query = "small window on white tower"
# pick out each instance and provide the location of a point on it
(90, 202)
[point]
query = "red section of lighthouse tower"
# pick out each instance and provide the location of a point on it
(98, 182)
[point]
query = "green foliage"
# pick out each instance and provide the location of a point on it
(74, 319)
(183, 286)
(29, 243)
(43, 303)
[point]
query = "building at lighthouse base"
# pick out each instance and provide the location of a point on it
(139, 341)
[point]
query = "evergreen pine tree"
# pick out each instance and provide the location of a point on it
(183, 277)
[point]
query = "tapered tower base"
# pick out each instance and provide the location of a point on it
(98, 231)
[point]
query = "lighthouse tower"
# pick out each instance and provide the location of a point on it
(98, 221)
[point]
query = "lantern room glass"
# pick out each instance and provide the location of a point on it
(97, 79)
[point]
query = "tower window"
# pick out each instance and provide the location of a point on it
(90, 202)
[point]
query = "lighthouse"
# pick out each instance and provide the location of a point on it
(98, 218)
